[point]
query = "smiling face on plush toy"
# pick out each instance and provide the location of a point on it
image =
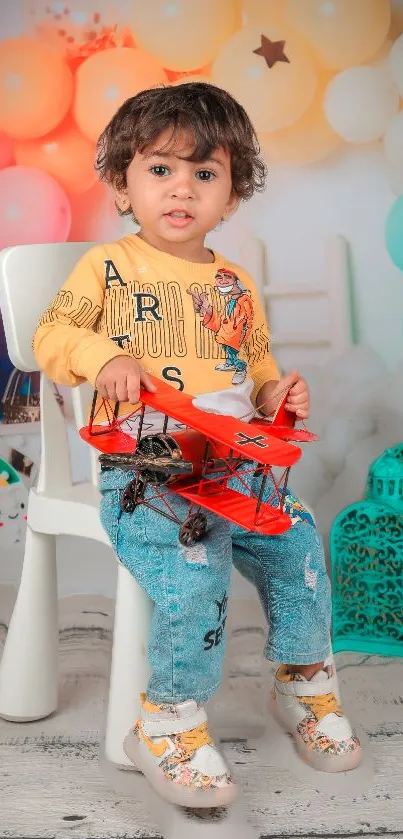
(13, 507)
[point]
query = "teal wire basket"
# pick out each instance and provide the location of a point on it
(366, 551)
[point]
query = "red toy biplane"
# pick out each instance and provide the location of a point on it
(198, 462)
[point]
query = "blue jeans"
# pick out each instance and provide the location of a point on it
(190, 589)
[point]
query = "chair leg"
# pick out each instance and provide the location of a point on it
(129, 667)
(29, 666)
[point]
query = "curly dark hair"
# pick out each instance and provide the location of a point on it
(209, 113)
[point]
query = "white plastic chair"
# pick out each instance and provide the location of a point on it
(30, 276)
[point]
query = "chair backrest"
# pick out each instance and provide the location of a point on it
(30, 277)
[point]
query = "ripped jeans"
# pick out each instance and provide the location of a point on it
(190, 589)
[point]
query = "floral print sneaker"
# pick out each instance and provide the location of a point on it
(172, 746)
(311, 712)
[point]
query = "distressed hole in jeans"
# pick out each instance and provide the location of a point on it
(194, 554)
(310, 576)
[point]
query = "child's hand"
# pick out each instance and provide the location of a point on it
(121, 378)
(298, 395)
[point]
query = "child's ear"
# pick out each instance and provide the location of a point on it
(231, 207)
(121, 198)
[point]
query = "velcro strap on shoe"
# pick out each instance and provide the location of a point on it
(297, 688)
(171, 725)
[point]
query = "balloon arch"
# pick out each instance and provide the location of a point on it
(314, 75)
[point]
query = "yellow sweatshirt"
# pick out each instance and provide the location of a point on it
(173, 316)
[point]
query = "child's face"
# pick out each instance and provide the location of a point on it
(174, 200)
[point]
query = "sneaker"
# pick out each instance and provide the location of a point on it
(225, 366)
(239, 377)
(172, 746)
(310, 711)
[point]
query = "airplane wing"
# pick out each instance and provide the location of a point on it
(285, 432)
(238, 508)
(238, 435)
(108, 440)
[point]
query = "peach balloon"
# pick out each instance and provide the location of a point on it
(309, 140)
(72, 26)
(256, 13)
(106, 80)
(33, 207)
(36, 88)
(344, 33)
(6, 150)
(274, 96)
(189, 78)
(183, 35)
(64, 153)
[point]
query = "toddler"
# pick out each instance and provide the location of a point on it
(180, 160)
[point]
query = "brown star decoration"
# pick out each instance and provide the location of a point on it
(272, 51)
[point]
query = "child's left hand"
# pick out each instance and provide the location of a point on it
(298, 399)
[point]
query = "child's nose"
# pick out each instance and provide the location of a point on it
(183, 187)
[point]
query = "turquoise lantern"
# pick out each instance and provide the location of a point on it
(366, 550)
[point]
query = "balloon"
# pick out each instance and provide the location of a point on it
(33, 207)
(395, 63)
(64, 153)
(203, 73)
(393, 145)
(360, 102)
(6, 150)
(274, 96)
(343, 32)
(190, 77)
(396, 26)
(256, 13)
(394, 233)
(308, 140)
(183, 35)
(36, 88)
(106, 80)
(74, 26)
(95, 217)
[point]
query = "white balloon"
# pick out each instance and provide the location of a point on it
(360, 102)
(395, 63)
(393, 146)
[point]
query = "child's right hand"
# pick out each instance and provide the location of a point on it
(121, 378)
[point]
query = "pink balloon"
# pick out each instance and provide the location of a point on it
(33, 207)
(6, 150)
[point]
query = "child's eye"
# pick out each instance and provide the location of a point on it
(205, 175)
(160, 170)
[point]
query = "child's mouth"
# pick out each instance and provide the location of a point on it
(179, 218)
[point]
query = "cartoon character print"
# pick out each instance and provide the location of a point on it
(232, 325)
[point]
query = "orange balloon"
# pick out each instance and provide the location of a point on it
(343, 33)
(310, 139)
(65, 154)
(106, 80)
(276, 85)
(36, 88)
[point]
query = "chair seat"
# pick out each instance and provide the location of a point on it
(73, 511)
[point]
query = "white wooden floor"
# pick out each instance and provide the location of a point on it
(53, 782)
